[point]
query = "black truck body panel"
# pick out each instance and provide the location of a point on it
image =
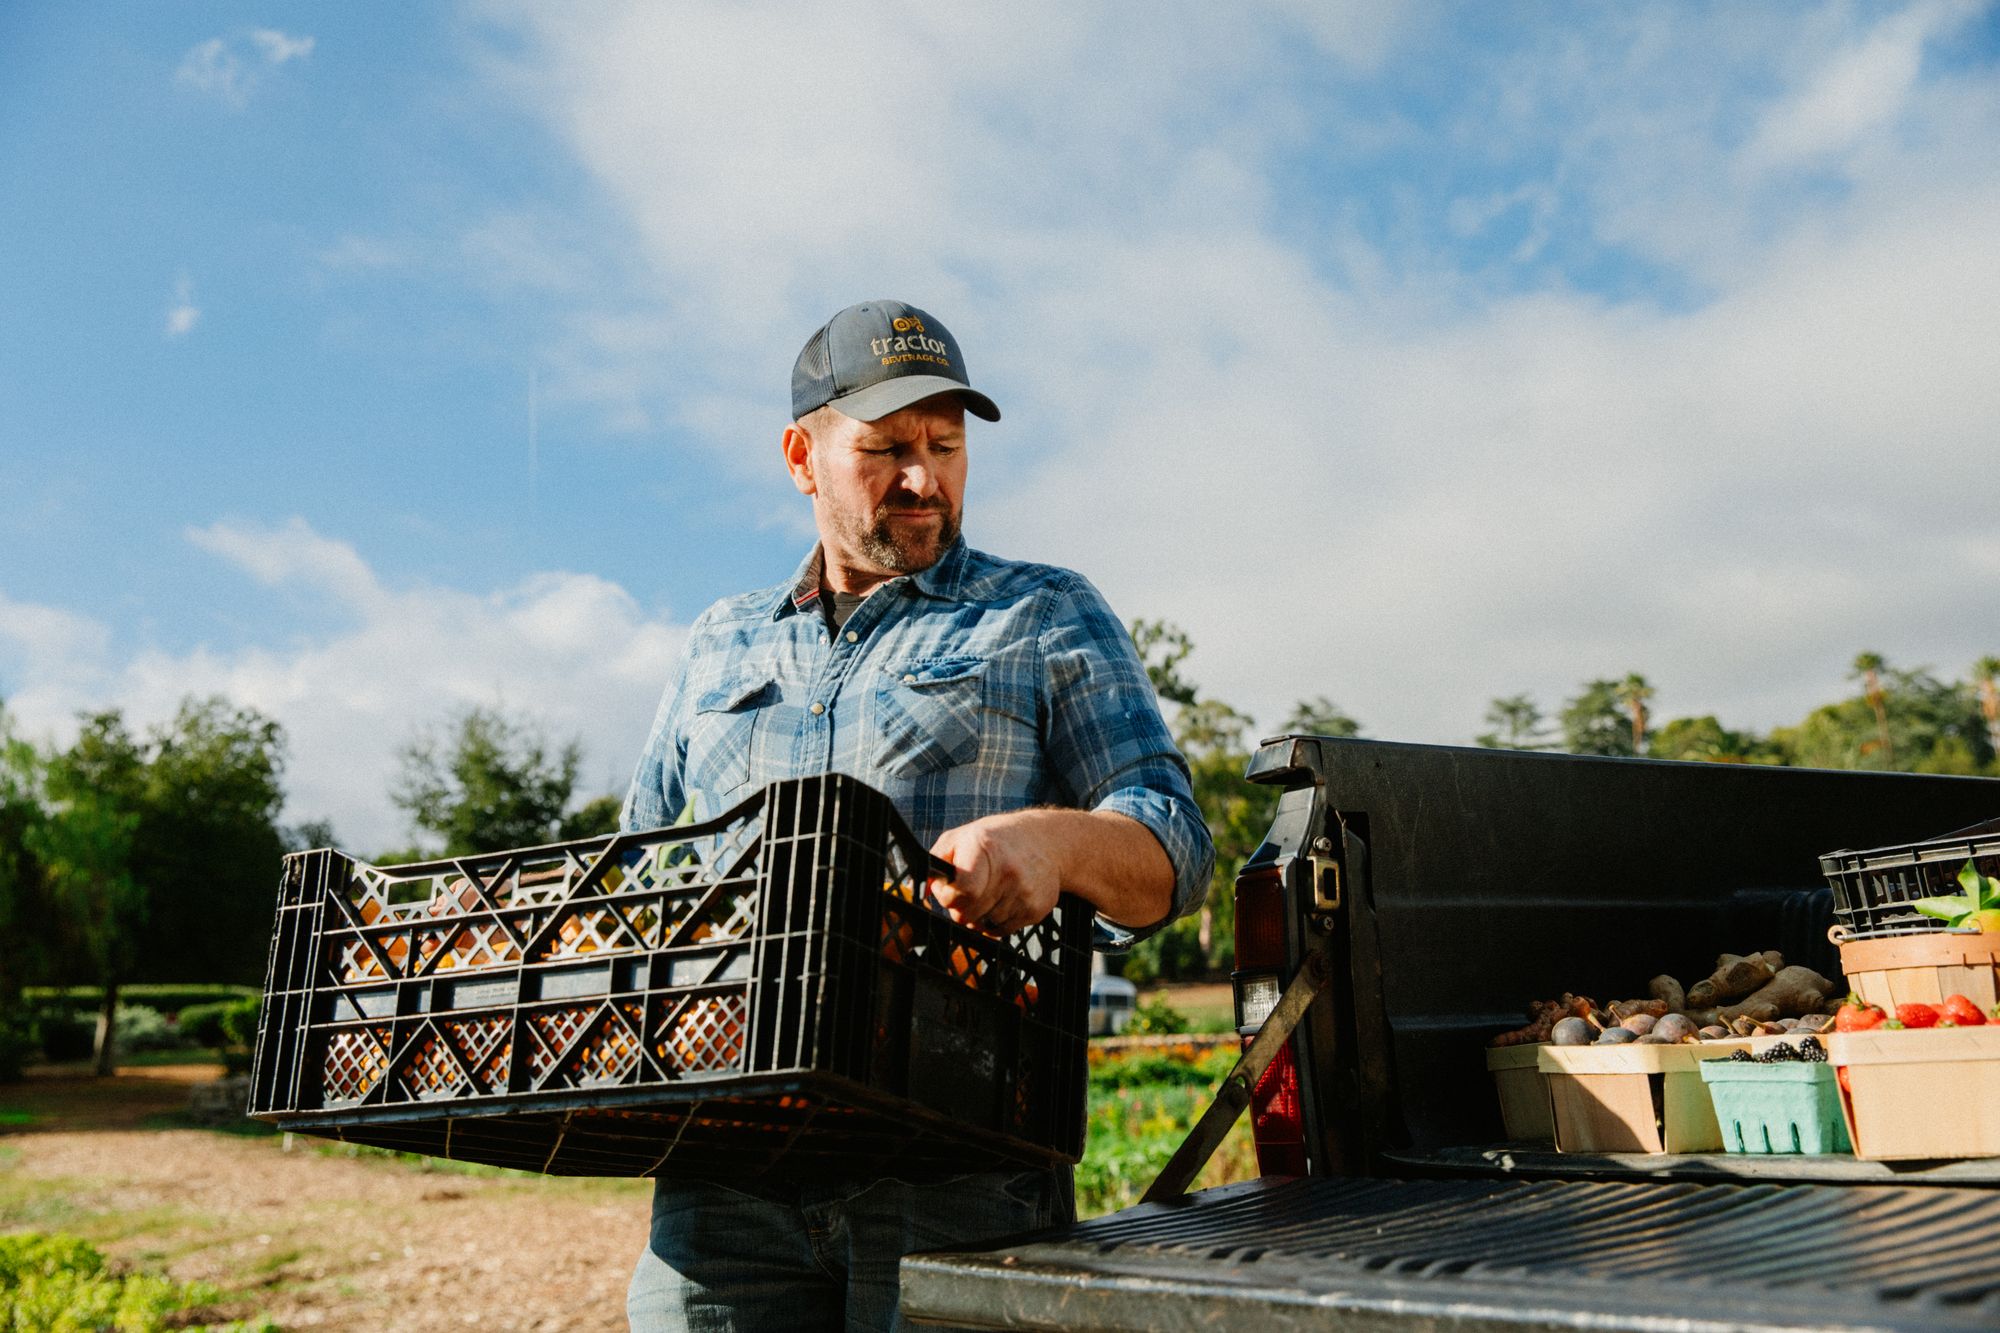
(1456, 885)
(1494, 1257)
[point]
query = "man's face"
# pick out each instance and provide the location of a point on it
(886, 494)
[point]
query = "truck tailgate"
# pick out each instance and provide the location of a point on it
(1463, 1255)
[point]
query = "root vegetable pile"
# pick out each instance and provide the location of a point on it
(1746, 995)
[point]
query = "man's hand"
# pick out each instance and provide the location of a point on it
(1012, 866)
(1008, 878)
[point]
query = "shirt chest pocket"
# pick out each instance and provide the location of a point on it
(929, 714)
(719, 736)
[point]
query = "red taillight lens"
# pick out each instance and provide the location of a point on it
(1277, 1122)
(1260, 921)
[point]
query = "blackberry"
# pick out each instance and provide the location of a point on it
(1742, 1057)
(1813, 1051)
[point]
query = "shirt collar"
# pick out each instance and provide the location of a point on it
(943, 579)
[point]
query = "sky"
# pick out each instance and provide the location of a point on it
(367, 363)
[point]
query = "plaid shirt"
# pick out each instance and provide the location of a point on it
(977, 686)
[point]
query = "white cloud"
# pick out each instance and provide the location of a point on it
(573, 651)
(183, 314)
(230, 69)
(277, 47)
(1346, 468)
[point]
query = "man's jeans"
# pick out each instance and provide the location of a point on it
(820, 1256)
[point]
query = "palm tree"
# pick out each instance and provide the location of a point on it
(1986, 674)
(1634, 692)
(1868, 668)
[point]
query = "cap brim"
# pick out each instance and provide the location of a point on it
(893, 395)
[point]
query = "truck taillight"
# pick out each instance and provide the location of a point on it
(1260, 920)
(1277, 1122)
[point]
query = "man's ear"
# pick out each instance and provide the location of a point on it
(797, 446)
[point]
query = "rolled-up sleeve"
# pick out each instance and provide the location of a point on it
(1108, 744)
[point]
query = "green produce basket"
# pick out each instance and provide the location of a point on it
(1789, 1107)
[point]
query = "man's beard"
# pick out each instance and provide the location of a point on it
(910, 549)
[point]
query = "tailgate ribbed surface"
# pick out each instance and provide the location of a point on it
(1456, 1254)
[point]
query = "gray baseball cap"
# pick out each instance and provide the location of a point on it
(879, 357)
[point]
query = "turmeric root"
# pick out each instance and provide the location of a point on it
(1736, 975)
(1793, 993)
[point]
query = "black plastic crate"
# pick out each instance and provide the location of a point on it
(1873, 890)
(769, 993)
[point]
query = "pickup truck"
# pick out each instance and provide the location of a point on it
(1434, 891)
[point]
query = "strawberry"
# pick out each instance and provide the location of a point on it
(1963, 1012)
(1917, 1015)
(1855, 1017)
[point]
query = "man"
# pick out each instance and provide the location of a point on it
(999, 704)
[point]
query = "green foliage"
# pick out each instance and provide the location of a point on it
(1140, 1109)
(1905, 720)
(1157, 1017)
(1595, 721)
(1320, 716)
(1517, 724)
(486, 783)
(1163, 647)
(141, 1028)
(61, 1284)
(167, 997)
(1174, 954)
(1706, 740)
(593, 818)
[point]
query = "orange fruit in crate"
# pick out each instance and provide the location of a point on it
(898, 937)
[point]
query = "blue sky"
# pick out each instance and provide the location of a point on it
(367, 362)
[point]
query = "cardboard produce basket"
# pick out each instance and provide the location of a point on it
(771, 993)
(1929, 1093)
(1632, 1098)
(1523, 1092)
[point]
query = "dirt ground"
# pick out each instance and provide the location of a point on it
(310, 1236)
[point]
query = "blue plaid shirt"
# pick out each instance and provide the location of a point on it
(977, 686)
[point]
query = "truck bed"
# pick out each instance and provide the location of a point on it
(1470, 1255)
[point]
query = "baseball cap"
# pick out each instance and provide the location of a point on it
(879, 357)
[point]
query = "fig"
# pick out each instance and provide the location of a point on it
(1616, 1036)
(1652, 1039)
(1639, 1024)
(1675, 1027)
(1714, 1032)
(1571, 1032)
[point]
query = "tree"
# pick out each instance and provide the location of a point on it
(209, 844)
(1706, 740)
(24, 905)
(486, 782)
(1986, 677)
(1319, 716)
(593, 818)
(1868, 670)
(1595, 721)
(1634, 693)
(95, 793)
(1517, 725)
(1163, 646)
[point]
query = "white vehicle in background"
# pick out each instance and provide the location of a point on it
(1112, 1000)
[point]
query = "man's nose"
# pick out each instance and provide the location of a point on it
(919, 479)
